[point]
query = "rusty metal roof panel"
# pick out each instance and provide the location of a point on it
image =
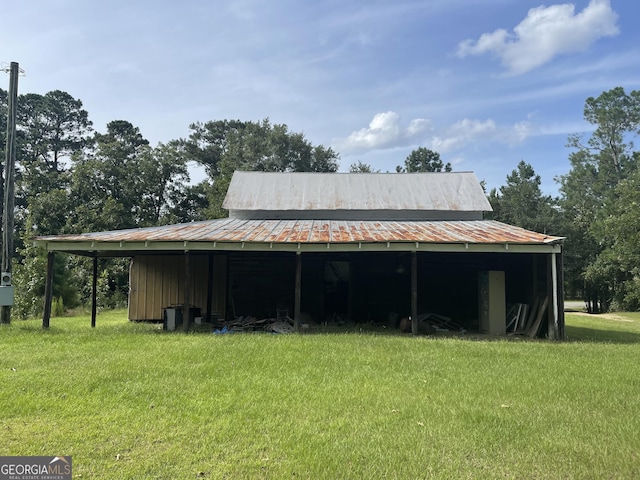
(443, 191)
(319, 231)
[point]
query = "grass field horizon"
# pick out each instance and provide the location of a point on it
(127, 401)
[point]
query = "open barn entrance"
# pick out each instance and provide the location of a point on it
(375, 287)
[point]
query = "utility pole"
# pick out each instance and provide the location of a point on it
(6, 288)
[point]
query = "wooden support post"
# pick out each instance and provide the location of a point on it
(560, 270)
(534, 281)
(48, 291)
(551, 293)
(414, 293)
(296, 307)
(186, 306)
(210, 288)
(94, 293)
(555, 304)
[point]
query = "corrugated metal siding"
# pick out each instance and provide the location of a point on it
(446, 191)
(319, 231)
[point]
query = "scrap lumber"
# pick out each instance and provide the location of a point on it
(517, 317)
(512, 316)
(533, 331)
(532, 315)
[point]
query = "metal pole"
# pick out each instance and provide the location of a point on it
(9, 169)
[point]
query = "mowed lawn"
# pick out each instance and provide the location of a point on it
(129, 401)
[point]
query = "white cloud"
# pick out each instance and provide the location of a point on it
(461, 133)
(545, 33)
(417, 126)
(521, 131)
(468, 131)
(384, 131)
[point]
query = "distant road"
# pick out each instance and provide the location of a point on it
(574, 305)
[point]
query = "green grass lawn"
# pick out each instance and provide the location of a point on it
(129, 401)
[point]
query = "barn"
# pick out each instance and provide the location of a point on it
(329, 247)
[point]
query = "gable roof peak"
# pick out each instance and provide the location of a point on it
(302, 191)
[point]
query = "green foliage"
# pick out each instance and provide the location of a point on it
(53, 126)
(423, 160)
(618, 264)
(57, 307)
(71, 181)
(616, 114)
(113, 281)
(225, 146)
(29, 282)
(29, 279)
(521, 202)
(595, 196)
(361, 167)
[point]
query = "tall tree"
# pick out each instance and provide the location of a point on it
(52, 127)
(521, 202)
(590, 189)
(228, 145)
(616, 267)
(616, 114)
(423, 160)
(125, 183)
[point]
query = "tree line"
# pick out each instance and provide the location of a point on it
(598, 208)
(73, 179)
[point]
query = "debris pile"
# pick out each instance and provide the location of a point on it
(249, 323)
(431, 323)
(523, 320)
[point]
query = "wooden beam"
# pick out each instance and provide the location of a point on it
(533, 331)
(186, 305)
(48, 291)
(552, 312)
(414, 293)
(560, 269)
(130, 248)
(210, 288)
(296, 307)
(553, 324)
(94, 293)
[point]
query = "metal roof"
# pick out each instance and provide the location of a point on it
(300, 235)
(445, 191)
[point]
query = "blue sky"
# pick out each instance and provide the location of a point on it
(486, 83)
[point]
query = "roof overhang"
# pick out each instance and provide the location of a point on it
(307, 236)
(129, 249)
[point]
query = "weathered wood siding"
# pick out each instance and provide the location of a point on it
(157, 281)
